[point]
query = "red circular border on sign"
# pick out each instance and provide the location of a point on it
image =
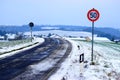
(98, 15)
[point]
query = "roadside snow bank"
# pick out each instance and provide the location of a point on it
(9, 48)
(70, 68)
(107, 64)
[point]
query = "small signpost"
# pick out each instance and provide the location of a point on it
(81, 60)
(93, 15)
(31, 24)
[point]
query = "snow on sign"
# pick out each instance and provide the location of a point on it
(93, 15)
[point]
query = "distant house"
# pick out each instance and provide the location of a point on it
(117, 40)
(1, 37)
(11, 37)
(87, 38)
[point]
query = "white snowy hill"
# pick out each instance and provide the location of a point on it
(73, 34)
(61, 33)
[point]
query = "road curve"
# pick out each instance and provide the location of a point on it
(13, 66)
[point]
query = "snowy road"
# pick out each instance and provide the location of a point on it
(13, 66)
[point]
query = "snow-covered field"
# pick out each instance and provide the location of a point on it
(106, 58)
(16, 45)
(61, 33)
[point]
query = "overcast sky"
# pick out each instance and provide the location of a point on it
(59, 12)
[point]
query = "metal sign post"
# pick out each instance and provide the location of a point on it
(93, 15)
(92, 40)
(31, 24)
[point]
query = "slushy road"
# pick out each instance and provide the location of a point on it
(12, 66)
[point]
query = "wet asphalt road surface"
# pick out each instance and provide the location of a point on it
(14, 65)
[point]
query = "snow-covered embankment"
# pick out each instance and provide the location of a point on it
(106, 58)
(16, 48)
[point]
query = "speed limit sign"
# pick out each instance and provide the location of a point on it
(93, 15)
